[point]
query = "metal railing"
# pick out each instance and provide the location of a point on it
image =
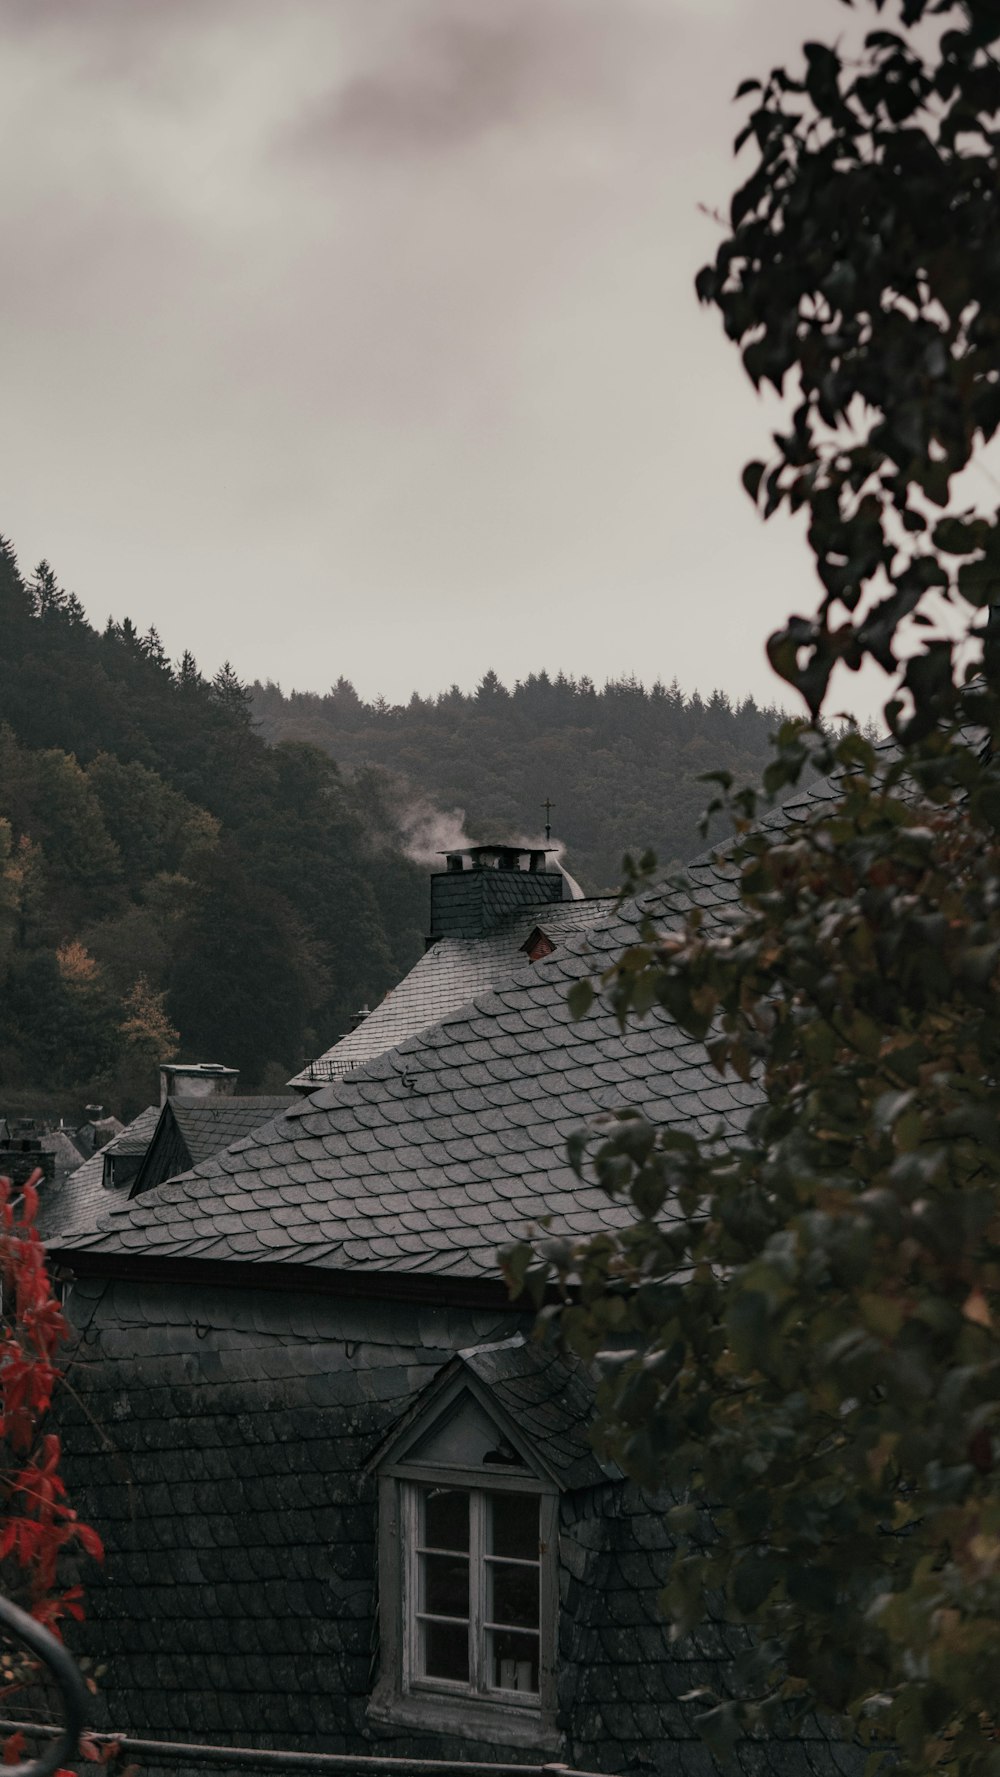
(65, 1738)
(45, 1647)
(336, 1764)
(333, 1070)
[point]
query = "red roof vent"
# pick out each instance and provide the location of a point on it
(537, 944)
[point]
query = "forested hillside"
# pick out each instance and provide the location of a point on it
(168, 882)
(621, 765)
(188, 868)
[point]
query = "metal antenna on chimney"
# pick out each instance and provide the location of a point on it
(548, 807)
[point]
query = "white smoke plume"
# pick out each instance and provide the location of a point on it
(428, 831)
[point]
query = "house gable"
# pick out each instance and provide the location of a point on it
(456, 1423)
(506, 1405)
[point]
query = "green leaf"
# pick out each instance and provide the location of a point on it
(960, 536)
(752, 475)
(752, 1581)
(683, 1519)
(979, 582)
(580, 998)
(720, 1730)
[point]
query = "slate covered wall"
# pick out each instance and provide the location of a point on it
(215, 1438)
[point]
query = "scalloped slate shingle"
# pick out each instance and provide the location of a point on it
(447, 976)
(74, 1206)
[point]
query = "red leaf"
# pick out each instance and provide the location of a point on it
(91, 1541)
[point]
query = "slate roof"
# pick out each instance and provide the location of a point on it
(121, 1138)
(432, 1155)
(73, 1206)
(447, 976)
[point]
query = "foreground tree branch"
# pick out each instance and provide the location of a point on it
(799, 1336)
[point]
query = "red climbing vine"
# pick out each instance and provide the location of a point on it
(38, 1525)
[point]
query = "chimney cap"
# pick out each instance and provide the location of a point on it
(196, 1067)
(498, 856)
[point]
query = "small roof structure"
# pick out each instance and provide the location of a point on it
(65, 1153)
(189, 1131)
(73, 1206)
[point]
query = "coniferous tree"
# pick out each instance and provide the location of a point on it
(153, 845)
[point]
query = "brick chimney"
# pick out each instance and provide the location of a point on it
(484, 883)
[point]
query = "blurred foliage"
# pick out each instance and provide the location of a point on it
(797, 1330)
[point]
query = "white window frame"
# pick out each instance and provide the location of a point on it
(474, 1710)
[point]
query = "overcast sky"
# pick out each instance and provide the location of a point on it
(358, 336)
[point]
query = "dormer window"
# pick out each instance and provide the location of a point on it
(467, 1575)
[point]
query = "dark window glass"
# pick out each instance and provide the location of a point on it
(446, 1586)
(446, 1651)
(515, 1595)
(446, 1518)
(514, 1526)
(513, 1661)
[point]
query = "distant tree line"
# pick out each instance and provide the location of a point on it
(170, 885)
(622, 764)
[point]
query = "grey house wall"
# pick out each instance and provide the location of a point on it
(216, 1437)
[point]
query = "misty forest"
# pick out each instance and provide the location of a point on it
(192, 867)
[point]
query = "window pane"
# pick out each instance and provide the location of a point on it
(515, 1595)
(446, 1518)
(513, 1661)
(445, 1651)
(446, 1586)
(514, 1521)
